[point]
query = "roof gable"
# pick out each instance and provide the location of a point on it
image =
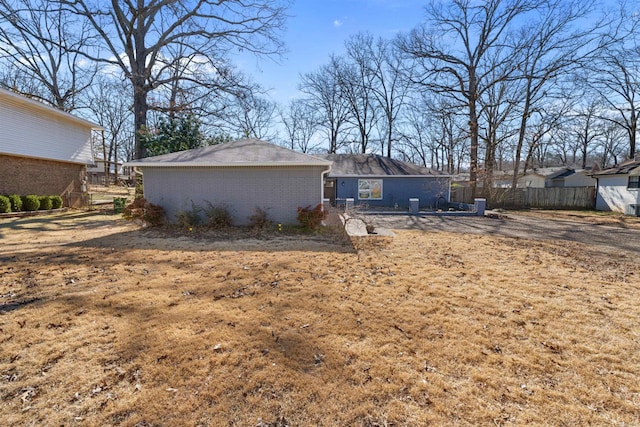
(244, 152)
(374, 165)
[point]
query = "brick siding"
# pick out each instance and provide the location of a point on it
(20, 175)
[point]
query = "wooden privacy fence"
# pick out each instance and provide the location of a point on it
(524, 198)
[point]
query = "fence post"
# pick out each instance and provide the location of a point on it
(414, 205)
(480, 205)
(348, 204)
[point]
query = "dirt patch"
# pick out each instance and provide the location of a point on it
(104, 323)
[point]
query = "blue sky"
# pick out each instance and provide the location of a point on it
(317, 28)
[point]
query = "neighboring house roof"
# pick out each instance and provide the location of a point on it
(36, 105)
(242, 153)
(551, 172)
(564, 174)
(624, 168)
(346, 165)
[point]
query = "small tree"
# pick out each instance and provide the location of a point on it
(174, 134)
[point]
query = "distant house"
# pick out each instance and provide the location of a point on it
(619, 188)
(43, 150)
(561, 176)
(384, 182)
(241, 175)
(97, 171)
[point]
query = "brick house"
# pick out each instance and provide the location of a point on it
(43, 150)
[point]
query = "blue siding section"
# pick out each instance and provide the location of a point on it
(398, 190)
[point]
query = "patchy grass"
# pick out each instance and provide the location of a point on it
(121, 326)
(615, 219)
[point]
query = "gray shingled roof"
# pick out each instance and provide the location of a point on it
(622, 169)
(244, 152)
(550, 172)
(373, 165)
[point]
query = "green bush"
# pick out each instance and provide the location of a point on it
(56, 202)
(218, 216)
(311, 218)
(45, 203)
(5, 204)
(30, 202)
(16, 202)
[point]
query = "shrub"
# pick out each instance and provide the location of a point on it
(45, 203)
(30, 202)
(218, 216)
(5, 204)
(259, 219)
(188, 219)
(142, 210)
(56, 202)
(16, 202)
(311, 218)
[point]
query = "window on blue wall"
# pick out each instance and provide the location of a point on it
(634, 182)
(370, 189)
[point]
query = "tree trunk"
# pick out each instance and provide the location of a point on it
(473, 130)
(632, 134)
(140, 108)
(472, 98)
(521, 134)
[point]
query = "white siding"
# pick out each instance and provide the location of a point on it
(613, 194)
(29, 131)
(279, 190)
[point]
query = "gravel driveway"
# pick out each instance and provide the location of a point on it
(513, 225)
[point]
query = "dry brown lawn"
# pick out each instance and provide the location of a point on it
(103, 323)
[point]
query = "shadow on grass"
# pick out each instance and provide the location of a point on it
(233, 241)
(14, 305)
(617, 238)
(58, 221)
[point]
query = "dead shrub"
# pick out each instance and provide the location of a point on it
(311, 218)
(189, 218)
(143, 210)
(218, 216)
(260, 219)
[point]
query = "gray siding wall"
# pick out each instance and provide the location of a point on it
(279, 190)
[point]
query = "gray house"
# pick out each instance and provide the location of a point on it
(379, 181)
(242, 175)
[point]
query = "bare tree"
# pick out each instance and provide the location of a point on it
(452, 50)
(356, 88)
(588, 129)
(251, 116)
(391, 84)
(612, 145)
(111, 109)
(38, 50)
(552, 46)
(618, 81)
(140, 37)
(300, 122)
(324, 96)
(432, 134)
